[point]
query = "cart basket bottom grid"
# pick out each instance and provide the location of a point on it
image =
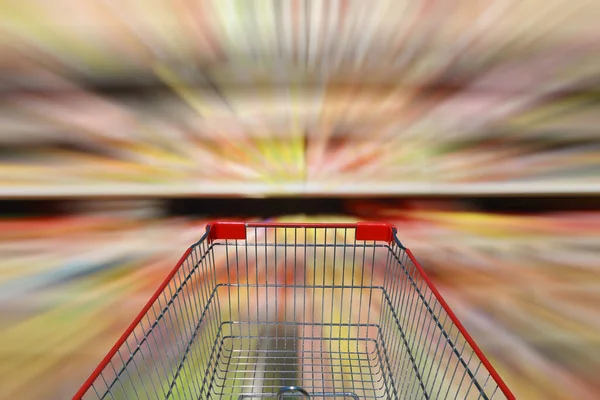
(258, 360)
(332, 341)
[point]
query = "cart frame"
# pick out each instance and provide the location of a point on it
(363, 231)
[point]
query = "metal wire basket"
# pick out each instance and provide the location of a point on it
(319, 311)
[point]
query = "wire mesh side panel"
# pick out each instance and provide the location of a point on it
(167, 354)
(300, 307)
(430, 358)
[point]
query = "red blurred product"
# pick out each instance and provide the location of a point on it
(289, 310)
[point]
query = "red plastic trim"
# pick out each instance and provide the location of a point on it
(88, 383)
(375, 231)
(462, 329)
(227, 230)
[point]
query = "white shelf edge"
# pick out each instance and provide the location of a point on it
(300, 189)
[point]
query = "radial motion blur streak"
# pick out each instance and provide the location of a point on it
(298, 96)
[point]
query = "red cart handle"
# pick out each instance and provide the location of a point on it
(377, 231)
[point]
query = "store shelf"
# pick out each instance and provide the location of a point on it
(300, 189)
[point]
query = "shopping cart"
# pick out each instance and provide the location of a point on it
(319, 311)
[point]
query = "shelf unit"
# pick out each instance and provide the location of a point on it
(216, 190)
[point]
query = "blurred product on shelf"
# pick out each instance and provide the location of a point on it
(524, 285)
(118, 146)
(69, 286)
(259, 98)
(499, 45)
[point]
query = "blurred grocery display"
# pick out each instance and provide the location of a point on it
(350, 98)
(414, 43)
(183, 98)
(524, 285)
